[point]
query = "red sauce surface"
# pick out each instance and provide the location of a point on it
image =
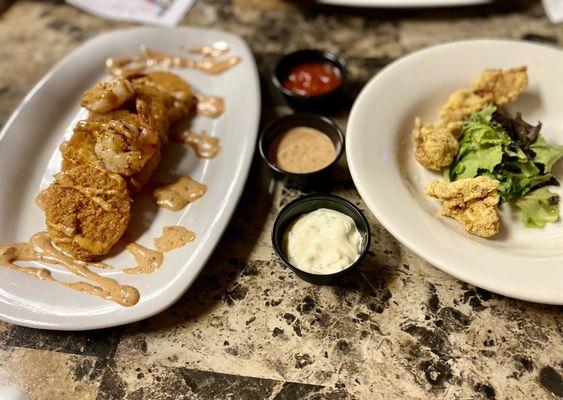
(313, 78)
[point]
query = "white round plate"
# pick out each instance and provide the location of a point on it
(29, 156)
(403, 3)
(519, 262)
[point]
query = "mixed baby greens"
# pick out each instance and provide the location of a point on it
(511, 151)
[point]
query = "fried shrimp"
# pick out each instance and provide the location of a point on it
(124, 141)
(473, 202)
(111, 154)
(107, 96)
(436, 147)
(87, 210)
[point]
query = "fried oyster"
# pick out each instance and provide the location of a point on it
(473, 202)
(502, 87)
(111, 155)
(436, 147)
(492, 86)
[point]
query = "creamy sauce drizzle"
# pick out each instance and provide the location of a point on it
(210, 106)
(216, 49)
(179, 194)
(209, 64)
(173, 237)
(41, 248)
(148, 260)
(205, 146)
(93, 194)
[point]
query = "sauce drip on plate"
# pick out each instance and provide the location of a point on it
(205, 146)
(148, 260)
(173, 237)
(210, 106)
(209, 63)
(41, 248)
(179, 194)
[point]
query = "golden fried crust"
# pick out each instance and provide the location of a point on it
(460, 105)
(501, 86)
(140, 179)
(436, 147)
(87, 210)
(473, 202)
(79, 149)
(175, 92)
(159, 114)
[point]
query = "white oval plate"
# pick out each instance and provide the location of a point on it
(29, 156)
(519, 262)
(403, 3)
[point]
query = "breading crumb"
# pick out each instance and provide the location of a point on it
(501, 86)
(473, 202)
(436, 147)
(460, 105)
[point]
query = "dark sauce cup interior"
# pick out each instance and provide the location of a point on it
(307, 204)
(326, 102)
(310, 180)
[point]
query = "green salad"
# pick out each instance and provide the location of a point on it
(513, 152)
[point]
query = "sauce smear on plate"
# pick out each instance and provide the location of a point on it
(179, 194)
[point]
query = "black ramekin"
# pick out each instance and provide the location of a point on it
(280, 125)
(311, 203)
(325, 102)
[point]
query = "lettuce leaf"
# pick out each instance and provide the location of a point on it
(545, 154)
(510, 150)
(538, 208)
(481, 147)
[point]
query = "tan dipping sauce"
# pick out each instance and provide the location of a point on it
(179, 194)
(210, 106)
(205, 146)
(129, 66)
(302, 150)
(173, 237)
(148, 260)
(40, 248)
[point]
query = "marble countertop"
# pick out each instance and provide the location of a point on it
(248, 328)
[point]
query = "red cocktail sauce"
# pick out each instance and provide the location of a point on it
(313, 78)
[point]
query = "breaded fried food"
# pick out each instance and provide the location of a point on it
(175, 92)
(473, 202)
(460, 105)
(136, 181)
(159, 114)
(436, 147)
(501, 86)
(124, 141)
(79, 149)
(493, 86)
(107, 96)
(87, 210)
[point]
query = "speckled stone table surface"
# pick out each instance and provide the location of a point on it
(248, 328)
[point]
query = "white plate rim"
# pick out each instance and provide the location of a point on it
(221, 224)
(378, 209)
(404, 3)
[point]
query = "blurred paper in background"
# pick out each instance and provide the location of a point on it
(151, 12)
(554, 10)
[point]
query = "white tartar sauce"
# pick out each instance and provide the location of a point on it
(323, 242)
